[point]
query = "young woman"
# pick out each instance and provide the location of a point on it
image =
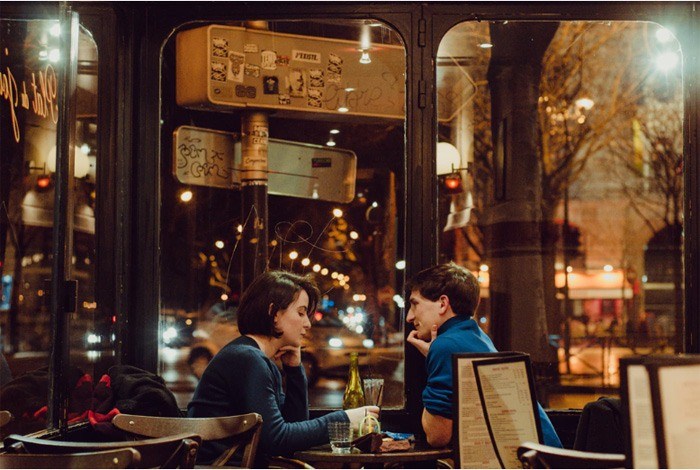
(242, 377)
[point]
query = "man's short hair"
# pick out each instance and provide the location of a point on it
(269, 293)
(449, 279)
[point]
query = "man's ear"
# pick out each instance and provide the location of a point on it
(272, 313)
(444, 304)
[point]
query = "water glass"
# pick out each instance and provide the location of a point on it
(340, 434)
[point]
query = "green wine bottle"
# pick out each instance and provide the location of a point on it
(354, 396)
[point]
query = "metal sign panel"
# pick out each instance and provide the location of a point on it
(224, 66)
(207, 157)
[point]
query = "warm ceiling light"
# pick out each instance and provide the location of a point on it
(330, 143)
(219, 244)
(365, 58)
(337, 212)
(486, 45)
(305, 262)
(54, 55)
(335, 131)
(316, 268)
(663, 35)
(667, 61)
(186, 196)
(293, 255)
(343, 109)
(585, 103)
(354, 235)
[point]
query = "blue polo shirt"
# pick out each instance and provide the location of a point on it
(461, 334)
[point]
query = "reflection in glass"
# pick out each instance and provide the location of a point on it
(329, 96)
(609, 184)
(28, 124)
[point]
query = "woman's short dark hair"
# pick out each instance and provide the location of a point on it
(449, 279)
(272, 288)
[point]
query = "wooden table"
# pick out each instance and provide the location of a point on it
(416, 456)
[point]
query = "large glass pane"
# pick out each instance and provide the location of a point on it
(333, 94)
(29, 55)
(561, 185)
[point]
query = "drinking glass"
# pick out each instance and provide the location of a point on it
(374, 391)
(340, 435)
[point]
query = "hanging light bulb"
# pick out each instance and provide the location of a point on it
(331, 142)
(364, 58)
(365, 43)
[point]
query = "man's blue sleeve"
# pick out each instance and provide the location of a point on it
(548, 433)
(437, 395)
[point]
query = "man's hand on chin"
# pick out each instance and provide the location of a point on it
(420, 344)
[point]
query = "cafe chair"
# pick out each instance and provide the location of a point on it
(126, 457)
(533, 455)
(176, 451)
(242, 431)
(5, 417)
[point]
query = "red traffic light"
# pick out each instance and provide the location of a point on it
(451, 184)
(43, 181)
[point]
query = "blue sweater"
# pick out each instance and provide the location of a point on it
(461, 334)
(241, 379)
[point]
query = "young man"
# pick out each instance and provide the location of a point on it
(443, 300)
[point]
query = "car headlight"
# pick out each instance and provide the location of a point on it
(368, 343)
(335, 343)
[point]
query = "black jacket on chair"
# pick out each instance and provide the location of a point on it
(600, 428)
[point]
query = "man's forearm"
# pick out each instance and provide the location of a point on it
(438, 429)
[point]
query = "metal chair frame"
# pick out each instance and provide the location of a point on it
(126, 457)
(244, 431)
(176, 451)
(533, 455)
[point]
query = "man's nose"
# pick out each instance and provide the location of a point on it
(410, 317)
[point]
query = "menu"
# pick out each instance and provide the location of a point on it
(675, 390)
(637, 406)
(488, 430)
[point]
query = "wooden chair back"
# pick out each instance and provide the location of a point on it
(533, 455)
(176, 451)
(242, 431)
(5, 417)
(117, 458)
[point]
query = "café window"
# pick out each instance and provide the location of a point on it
(560, 174)
(30, 57)
(327, 98)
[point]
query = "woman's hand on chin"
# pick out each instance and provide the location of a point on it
(290, 355)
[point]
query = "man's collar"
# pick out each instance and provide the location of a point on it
(451, 322)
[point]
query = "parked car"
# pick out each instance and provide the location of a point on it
(325, 351)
